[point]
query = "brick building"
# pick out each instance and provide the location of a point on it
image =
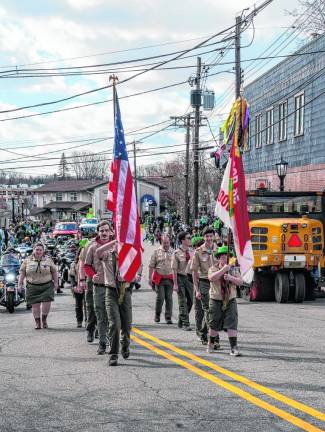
(287, 111)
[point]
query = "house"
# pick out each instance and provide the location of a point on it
(71, 199)
(287, 106)
(65, 199)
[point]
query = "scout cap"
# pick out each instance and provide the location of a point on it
(222, 250)
(196, 239)
(83, 242)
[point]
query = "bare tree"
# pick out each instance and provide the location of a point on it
(171, 174)
(313, 12)
(86, 166)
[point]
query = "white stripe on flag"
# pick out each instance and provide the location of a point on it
(130, 237)
(128, 260)
(120, 195)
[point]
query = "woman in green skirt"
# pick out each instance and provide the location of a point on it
(41, 277)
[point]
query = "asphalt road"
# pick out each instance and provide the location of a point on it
(52, 380)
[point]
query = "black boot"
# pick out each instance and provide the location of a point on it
(210, 346)
(113, 360)
(90, 336)
(101, 349)
(38, 323)
(125, 351)
(233, 347)
(217, 343)
(44, 321)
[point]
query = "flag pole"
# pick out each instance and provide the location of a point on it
(114, 78)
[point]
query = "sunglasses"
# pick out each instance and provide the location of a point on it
(188, 238)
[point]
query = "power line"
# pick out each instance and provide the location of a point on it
(103, 101)
(121, 62)
(77, 146)
(122, 81)
(106, 53)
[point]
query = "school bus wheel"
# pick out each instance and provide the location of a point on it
(281, 287)
(300, 287)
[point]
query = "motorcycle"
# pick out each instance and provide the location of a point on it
(10, 297)
(64, 267)
(51, 248)
(24, 250)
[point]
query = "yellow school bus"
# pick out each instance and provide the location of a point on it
(287, 234)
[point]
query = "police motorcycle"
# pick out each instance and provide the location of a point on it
(10, 297)
(24, 250)
(51, 248)
(65, 260)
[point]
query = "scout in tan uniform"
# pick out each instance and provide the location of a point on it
(94, 270)
(41, 280)
(118, 303)
(161, 277)
(203, 259)
(182, 284)
(223, 305)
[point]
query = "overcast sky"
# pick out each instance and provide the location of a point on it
(56, 33)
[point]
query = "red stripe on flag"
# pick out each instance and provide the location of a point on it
(127, 201)
(131, 273)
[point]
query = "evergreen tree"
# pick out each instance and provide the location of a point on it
(63, 168)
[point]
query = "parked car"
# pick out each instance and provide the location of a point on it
(68, 229)
(88, 225)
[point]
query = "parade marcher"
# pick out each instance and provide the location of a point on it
(41, 277)
(203, 259)
(78, 290)
(118, 303)
(223, 305)
(5, 236)
(94, 270)
(161, 279)
(182, 284)
(86, 283)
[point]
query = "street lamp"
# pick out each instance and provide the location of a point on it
(281, 168)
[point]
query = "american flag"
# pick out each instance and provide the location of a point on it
(121, 200)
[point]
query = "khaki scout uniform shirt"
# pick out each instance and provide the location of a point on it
(161, 261)
(179, 262)
(108, 267)
(38, 272)
(98, 264)
(203, 259)
(215, 286)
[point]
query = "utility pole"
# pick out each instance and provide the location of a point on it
(196, 144)
(13, 208)
(187, 169)
(237, 56)
(185, 121)
(135, 170)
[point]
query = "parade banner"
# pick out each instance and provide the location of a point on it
(231, 205)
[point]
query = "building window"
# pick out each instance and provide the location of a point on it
(73, 196)
(283, 120)
(269, 126)
(258, 131)
(58, 196)
(299, 114)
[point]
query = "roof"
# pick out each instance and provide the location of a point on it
(155, 181)
(71, 185)
(67, 205)
(35, 211)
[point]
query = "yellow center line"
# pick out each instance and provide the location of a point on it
(272, 393)
(230, 387)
